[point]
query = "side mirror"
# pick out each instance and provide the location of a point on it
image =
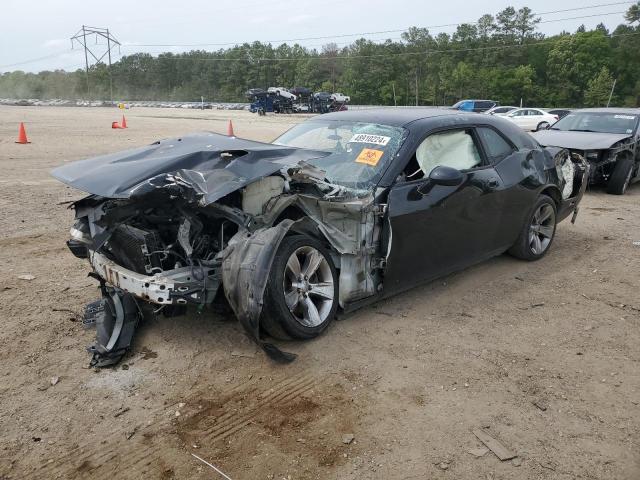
(447, 176)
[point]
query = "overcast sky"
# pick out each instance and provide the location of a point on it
(42, 28)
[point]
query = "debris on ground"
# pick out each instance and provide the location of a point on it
(54, 380)
(26, 276)
(347, 438)
(239, 353)
(212, 466)
(516, 462)
(122, 411)
(542, 405)
(502, 452)
(478, 452)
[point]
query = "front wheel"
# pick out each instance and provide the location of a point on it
(301, 297)
(542, 126)
(621, 176)
(538, 231)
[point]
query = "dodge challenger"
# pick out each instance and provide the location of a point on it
(338, 212)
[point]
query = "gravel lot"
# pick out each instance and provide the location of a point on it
(543, 357)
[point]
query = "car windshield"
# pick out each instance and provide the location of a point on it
(601, 122)
(359, 152)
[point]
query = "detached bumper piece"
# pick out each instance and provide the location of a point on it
(116, 317)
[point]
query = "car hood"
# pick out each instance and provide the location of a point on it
(209, 164)
(578, 140)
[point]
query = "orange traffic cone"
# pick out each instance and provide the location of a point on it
(115, 125)
(124, 122)
(22, 135)
(230, 130)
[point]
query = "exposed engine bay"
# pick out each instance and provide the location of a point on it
(167, 248)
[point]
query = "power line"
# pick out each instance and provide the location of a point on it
(55, 55)
(378, 55)
(39, 59)
(384, 31)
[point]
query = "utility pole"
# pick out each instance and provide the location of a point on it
(81, 38)
(395, 102)
(416, 86)
(611, 93)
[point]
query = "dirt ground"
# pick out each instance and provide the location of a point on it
(409, 378)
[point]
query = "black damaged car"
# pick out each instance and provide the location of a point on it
(340, 211)
(609, 138)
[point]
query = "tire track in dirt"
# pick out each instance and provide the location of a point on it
(134, 458)
(277, 396)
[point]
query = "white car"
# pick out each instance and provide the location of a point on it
(340, 98)
(532, 119)
(500, 111)
(283, 92)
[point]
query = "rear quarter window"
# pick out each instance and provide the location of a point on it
(495, 145)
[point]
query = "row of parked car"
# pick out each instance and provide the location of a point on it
(529, 119)
(608, 138)
(57, 102)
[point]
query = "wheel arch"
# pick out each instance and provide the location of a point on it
(553, 192)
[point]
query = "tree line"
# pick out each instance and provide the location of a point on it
(502, 57)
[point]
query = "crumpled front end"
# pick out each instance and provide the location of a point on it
(163, 248)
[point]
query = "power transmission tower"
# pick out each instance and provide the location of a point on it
(81, 38)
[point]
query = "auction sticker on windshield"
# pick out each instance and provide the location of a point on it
(625, 117)
(366, 138)
(370, 156)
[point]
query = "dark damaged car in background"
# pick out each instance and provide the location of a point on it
(340, 211)
(609, 138)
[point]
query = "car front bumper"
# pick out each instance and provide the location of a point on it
(180, 286)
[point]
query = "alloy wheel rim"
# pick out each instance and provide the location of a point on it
(308, 286)
(541, 230)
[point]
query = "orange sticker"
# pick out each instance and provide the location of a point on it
(370, 156)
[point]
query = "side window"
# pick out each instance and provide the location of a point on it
(519, 113)
(496, 147)
(467, 106)
(455, 148)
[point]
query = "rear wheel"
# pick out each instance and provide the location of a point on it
(621, 176)
(538, 231)
(301, 297)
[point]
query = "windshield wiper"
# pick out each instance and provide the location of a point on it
(583, 130)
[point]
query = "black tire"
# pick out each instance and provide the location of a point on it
(621, 176)
(278, 320)
(525, 247)
(542, 126)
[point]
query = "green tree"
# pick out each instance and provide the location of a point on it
(633, 14)
(598, 89)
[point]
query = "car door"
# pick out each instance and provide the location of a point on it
(519, 118)
(534, 117)
(436, 229)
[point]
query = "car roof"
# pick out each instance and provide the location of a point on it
(394, 116)
(634, 111)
